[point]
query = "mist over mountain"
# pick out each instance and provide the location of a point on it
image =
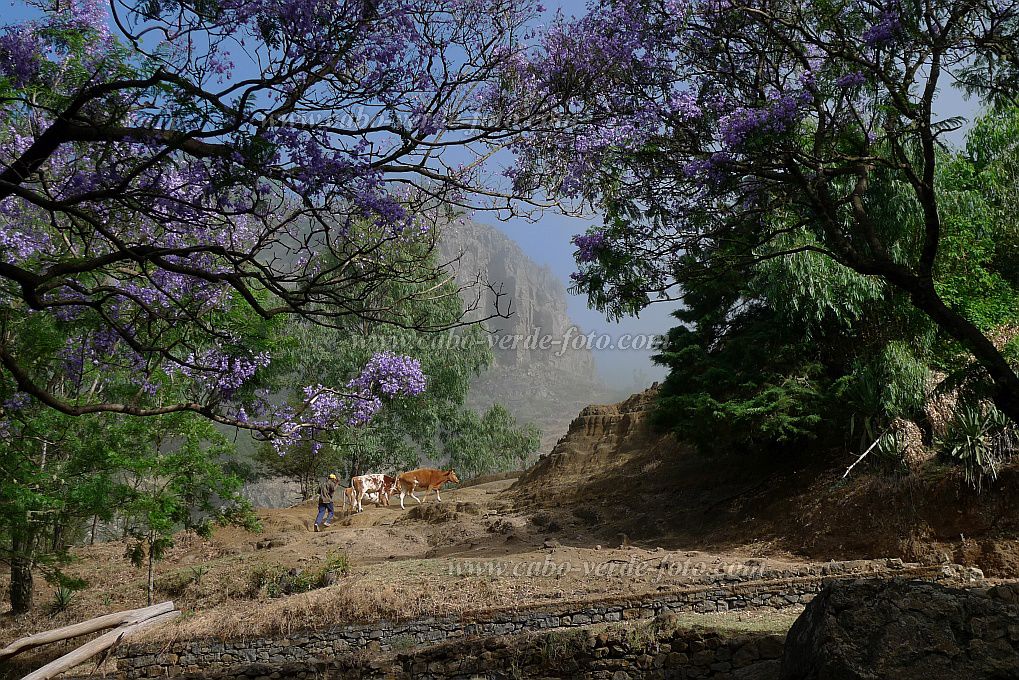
(542, 371)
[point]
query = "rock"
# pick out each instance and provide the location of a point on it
(1007, 592)
(762, 670)
(469, 508)
(539, 383)
(269, 543)
(898, 629)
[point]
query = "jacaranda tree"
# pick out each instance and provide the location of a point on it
(728, 132)
(175, 173)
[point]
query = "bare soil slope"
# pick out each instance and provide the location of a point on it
(632, 482)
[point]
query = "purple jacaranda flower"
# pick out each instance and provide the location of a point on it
(20, 55)
(850, 80)
(589, 246)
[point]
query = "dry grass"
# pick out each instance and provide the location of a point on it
(356, 599)
(757, 621)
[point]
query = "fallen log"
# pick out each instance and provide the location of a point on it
(84, 628)
(101, 643)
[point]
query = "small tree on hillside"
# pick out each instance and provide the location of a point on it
(58, 475)
(303, 463)
(477, 444)
(178, 484)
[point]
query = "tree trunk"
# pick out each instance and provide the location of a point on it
(150, 582)
(58, 536)
(1004, 380)
(21, 570)
(95, 523)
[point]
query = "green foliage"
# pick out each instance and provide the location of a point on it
(198, 572)
(149, 476)
(979, 440)
(798, 348)
(756, 390)
(62, 599)
(338, 562)
(491, 442)
(173, 479)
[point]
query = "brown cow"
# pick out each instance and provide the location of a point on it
(424, 478)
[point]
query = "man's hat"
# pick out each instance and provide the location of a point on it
(332, 476)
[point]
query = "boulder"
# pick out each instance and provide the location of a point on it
(899, 629)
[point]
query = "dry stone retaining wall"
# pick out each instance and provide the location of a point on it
(655, 650)
(211, 656)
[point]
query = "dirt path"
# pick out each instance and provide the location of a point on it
(473, 550)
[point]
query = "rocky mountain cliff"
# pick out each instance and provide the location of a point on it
(545, 386)
(603, 441)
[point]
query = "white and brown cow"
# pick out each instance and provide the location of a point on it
(383, 486)
(424, 478)
(350, 498)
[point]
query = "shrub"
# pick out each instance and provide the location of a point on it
(980, 440)
(175, 584)
(197, 572)
(338, 562)
(274, 580)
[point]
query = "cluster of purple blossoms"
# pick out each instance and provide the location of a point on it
(17, 401)
(779, 115)
(713, 170)
(684, 106)
(224, 373)
(851, 80)
(390, 375)
(590, 245)
(18, 246)
(885, 28)
(20, 55)
(385, 376)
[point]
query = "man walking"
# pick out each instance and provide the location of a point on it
(325, 501)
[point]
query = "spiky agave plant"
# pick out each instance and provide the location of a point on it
(980, 439)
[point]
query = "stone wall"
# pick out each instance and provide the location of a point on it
(658, 649)
(213, 656)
